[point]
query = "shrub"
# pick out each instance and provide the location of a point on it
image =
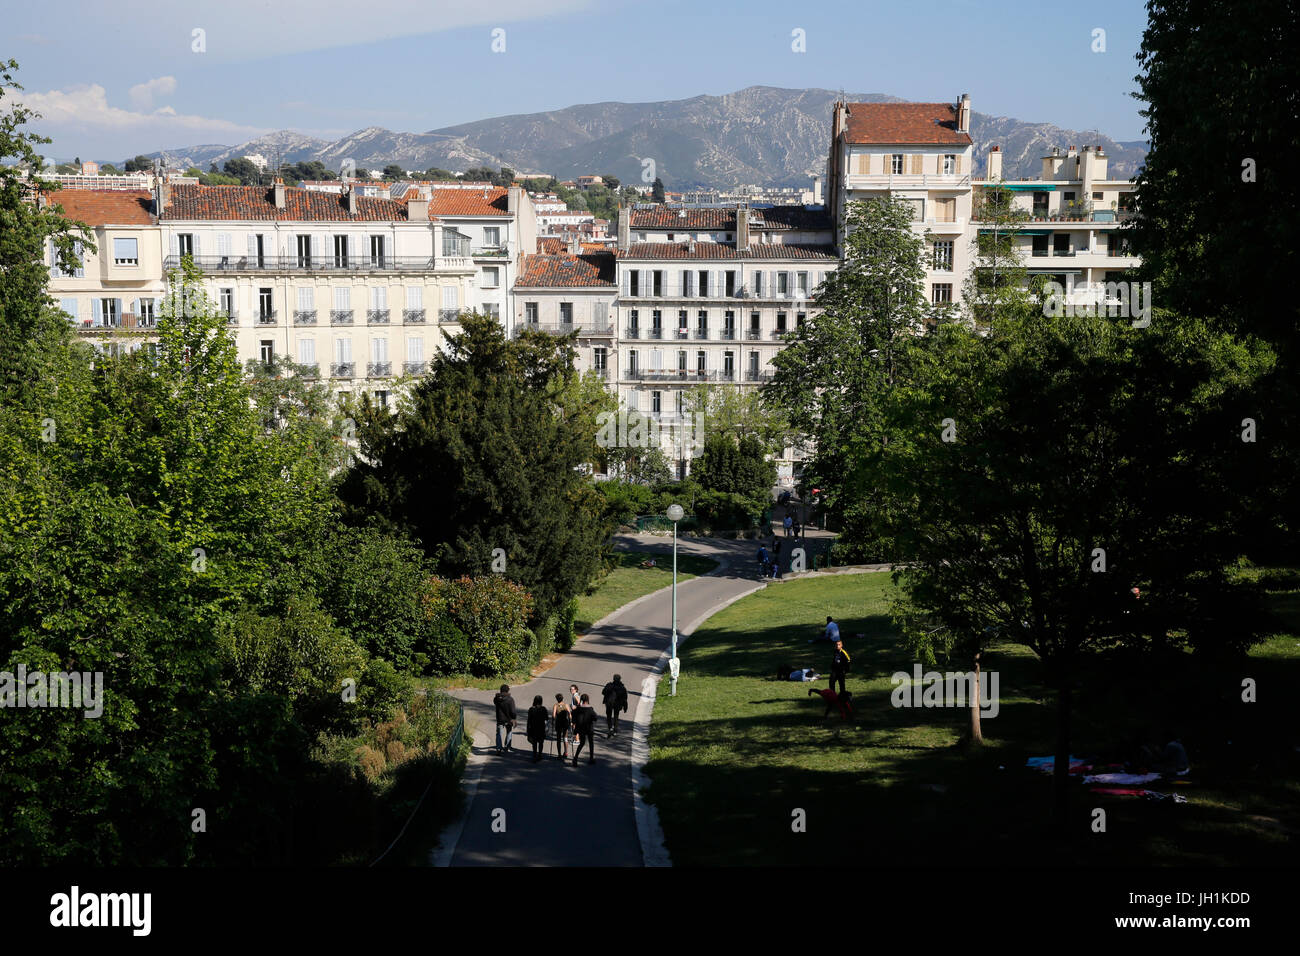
(492, 612)
(567, 624)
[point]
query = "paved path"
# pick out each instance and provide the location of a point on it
(557, 814)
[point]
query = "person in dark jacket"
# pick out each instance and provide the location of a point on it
(506, 717)
(537, 727)
(833, 700)
(584, 723)
(562, 721)
(615, 697)
(839, 665)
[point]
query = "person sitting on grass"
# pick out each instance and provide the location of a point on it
(648, 563)
(842, 701)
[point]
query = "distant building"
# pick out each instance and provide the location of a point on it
(257, 159)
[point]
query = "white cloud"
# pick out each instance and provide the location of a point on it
(84, 111)
(142, 94)
(252, 29)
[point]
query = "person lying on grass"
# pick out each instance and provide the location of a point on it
(786, 672)
(842, 701)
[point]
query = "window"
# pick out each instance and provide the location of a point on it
(1040, 205)
(950, 164)
(492, 236)
(634, 282)
(941, 293)
(491, 278)
(378, 298)
(449, 302)
(566, 313)
(381, 397)
(414, 348)
(943, 255)
(658, 275)
(415, 297)
(799, 318)
(599, 358)
(530, 313)
(126, 252)
(306, 351)
(702, 323)
(801, 285)
(728, 364)
(704, 283)
(1038, 248)
(918, 208)
(945, 210)
(753, 364)
(304, 252)
(681, 360)
(730, 283)
(656, 323)
(145, 312)
(700, 365)
(258, 250)
(687, 276)
(264, 309)
(306, 298)
(1061, 244)
(378, 350)
(342, 298)
(1096, 195)
(69, 306)
(782, 284)
(631, 363)
(896, 164)
(600, 314)
(454, 243)
(377, 257)
(343, 350)
(110, 311)
(633, 322)
(185, 244)
(226, 302)
(656, 402)
(780, 321)
(729, 324)
(1117, 245)
(340, 252)
(266, 351)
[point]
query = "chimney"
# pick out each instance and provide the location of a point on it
(575, 244)
(277, 192)
(742, 227)
(963, 113)
(163, 198)
(995, 163)
(624, 228)
(350, 199)
(417, 210)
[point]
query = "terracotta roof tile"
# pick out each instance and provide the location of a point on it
(491, 201)
(715, 218)
(922, 124)
(551, 246)
(124, 207)
(567, 272)
(718, 250)
(256, 203)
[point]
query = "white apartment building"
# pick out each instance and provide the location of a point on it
(357, 288)
(918, 152)
(568, 288)
(113, 295)
(1075, 212)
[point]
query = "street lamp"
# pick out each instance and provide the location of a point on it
(674, 665)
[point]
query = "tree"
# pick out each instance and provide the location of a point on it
(834, 379)
(998, 284)
(485, 460)
(657, 191)
(243, 169)
(611, 182)
(1040, 486)
(141, 164)
(394, 172)
(735, 466)
(438, 174)
(737, 413)
(506, 177)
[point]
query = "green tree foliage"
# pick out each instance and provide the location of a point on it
(834, 379)
(493, 614)
(734, 466)
(485, 457)
(439, 174)
(999, 284)
(394, 172)
(245, 170)
(657, 191)
(140, 164)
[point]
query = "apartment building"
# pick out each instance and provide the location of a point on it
(920, 153)
(1075, 212)
(568, 287)
(113, 294)
(357, 288)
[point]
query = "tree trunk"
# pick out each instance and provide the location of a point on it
(976, 735)
(1061, 768)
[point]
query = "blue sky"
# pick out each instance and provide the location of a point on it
(115, 79)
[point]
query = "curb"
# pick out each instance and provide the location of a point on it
(449, 839)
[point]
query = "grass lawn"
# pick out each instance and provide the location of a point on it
(736, 752)
(628, 581)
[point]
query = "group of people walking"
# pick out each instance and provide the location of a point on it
(570, 723)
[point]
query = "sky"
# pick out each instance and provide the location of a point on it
(134, 76)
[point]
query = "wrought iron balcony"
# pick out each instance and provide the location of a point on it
(728, 335)
(232, 317)
(267, 318)
(304, 317)
(413, 316)
(755, 375)
(326, 264)
(449, 315)
(342, 369)
(310, 369)
(701, 333)
(753, 333)
(376, 316)
(379, 369)
(340, 316)
(632, 332)
(415, 368)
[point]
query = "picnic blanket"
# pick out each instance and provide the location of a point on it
(1122, 779)
(1048, 764)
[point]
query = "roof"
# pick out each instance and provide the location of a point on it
(256, 203)
(717, 250)
(458, 201)
(121, 207)
(551, 246)
(724, 218)
(567, 272)
(922, 124)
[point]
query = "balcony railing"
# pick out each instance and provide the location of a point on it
(683, 333)
(310, 369)
(779, 333)
(413, 316)
(632, 332)
(727, 375)
(268, 318)
(330, 263)
(232, 317)
(701, 333)
(340, 316)
(376, 316)
(304, 317)
(495, 250)
(656, 333)
(755, 375)
(448, 315)
(343, 369)
(379, 369)
(415, 368)
(753, 333)
(728, 335)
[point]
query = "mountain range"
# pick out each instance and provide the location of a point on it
(759, 135)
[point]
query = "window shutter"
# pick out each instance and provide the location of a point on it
(223, 243)
(449, 297)
(414, 296)
(96, 313)
(252, 245)
(69, 306)
(341, 298)
(54, 260)
(957, 168)
(627, 282)
(197, 251)
(174, 245)
(117, 307)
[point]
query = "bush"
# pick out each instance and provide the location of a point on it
(567, 625)
(447, 650)
(492, 612)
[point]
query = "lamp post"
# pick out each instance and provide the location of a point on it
(674, 665)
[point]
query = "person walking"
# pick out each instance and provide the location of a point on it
(839, 665)
(563, 721)
(762, 561)
(788, 524)
(506, 717)
(575, 699)
(615, 697)
(536, 727)
(584, 725)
